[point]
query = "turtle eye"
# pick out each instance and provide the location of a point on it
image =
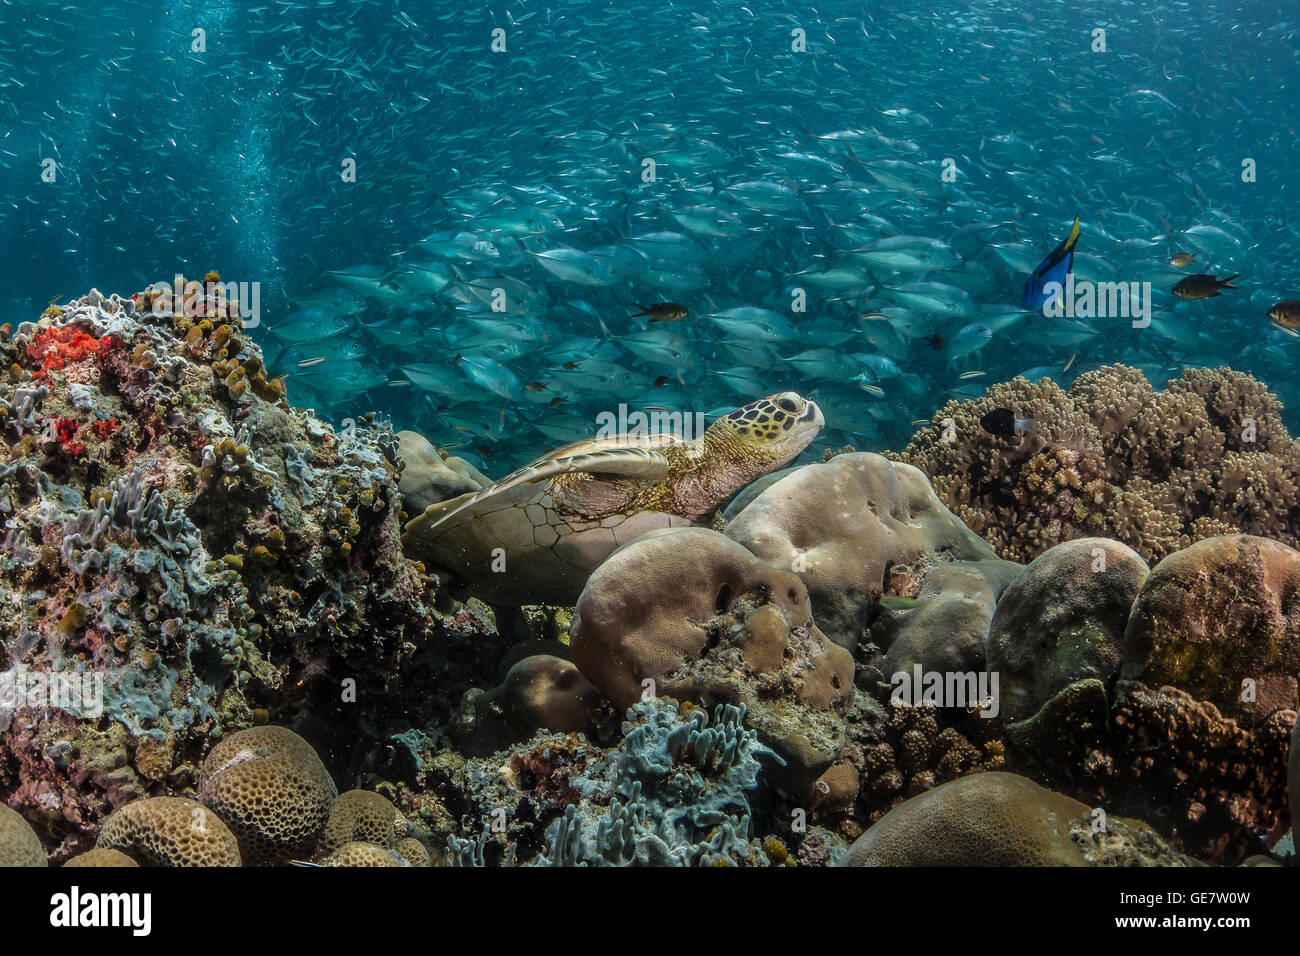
(787, 404)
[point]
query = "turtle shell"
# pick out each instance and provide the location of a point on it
(537, 534)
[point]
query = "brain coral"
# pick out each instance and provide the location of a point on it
(1114, 457)
(19, 845)
(170, 831)
(361, 853)
(271, 788)
(413, 851)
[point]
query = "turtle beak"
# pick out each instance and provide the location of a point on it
(813, 414)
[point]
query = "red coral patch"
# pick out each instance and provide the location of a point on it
(56, 348)
(66, 432)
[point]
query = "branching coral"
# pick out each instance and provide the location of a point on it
(1154, 469)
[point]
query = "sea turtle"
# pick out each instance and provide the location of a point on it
(536, 535)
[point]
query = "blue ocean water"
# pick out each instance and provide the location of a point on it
(446, 209)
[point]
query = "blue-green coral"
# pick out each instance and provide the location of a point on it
(672, 794)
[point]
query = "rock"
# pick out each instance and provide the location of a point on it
(1062, 621)
(696, 613)
(840, 525)
(428, 478)
(1001, 819)
(1220, 613)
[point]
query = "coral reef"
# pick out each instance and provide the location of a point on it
(900, 751)
(267, 800)
(200, 579)
(673, 794)
(1217, 788)
(180, 539)
(1184, 701)
(673, 791)
(1157, 470)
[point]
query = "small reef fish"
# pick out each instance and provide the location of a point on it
(664, 312)
(1286, 314)
(1202, 286)
(1053, 269)
(1180, 259)
(1004, 423)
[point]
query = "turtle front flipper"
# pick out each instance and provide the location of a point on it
(641, 463)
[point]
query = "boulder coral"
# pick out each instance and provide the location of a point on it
(538, 692)
(1221, 620)
(1063, 620)
(1001, 819)
(843, 524)
(702, 619)
(429, 477)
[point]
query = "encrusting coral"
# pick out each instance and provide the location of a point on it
(1114, 457)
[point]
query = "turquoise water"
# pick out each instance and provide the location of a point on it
(529, 178)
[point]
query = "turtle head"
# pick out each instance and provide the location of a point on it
(745, 445)
(771, 431)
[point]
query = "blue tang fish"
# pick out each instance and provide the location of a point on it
(1054, 268)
